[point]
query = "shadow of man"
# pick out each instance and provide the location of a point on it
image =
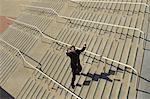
(96, 77)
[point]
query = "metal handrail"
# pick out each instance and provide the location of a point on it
(113, 2)
(92, 1)
(45, 36)
(41, 71)
(116, 2)
(137, 73)
(70, 18)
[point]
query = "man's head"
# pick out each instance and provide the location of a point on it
(72, 48)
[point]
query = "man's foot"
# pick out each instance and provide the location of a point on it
(78, 85)
(78, 73)
(72, 85)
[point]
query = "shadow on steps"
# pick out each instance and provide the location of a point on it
(96, 77)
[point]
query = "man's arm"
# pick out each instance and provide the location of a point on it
(84, 47)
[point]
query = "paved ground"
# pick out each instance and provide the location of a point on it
(12, 8)
(4, 23)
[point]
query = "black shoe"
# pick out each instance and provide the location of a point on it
(78, 73)
(72, 85)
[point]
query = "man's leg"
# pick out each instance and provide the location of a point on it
(80, 68)
(73, 78)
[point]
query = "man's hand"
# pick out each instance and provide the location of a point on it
(84, 45)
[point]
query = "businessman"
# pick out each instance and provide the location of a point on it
(74, 55)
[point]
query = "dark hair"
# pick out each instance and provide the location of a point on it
(73, 47)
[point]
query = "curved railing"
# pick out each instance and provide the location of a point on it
(101, 23)
(113, 2)
(137, 73)
(24, 60)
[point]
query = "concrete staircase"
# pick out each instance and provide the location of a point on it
(100, 78)
(8, 64)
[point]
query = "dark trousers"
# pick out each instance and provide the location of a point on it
(73, 77)
(75, 70)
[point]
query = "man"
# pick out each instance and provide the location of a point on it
(75, 61)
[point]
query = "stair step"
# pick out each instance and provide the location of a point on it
(62, 75)
(88, 80)
(82, 78)
(33, 90)
(45, 94)
(127, 75)
(38, 88)
(55, 73)
(27, 89)
(111, 76)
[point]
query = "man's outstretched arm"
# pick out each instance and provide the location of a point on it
(84, 47)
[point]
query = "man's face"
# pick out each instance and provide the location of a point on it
(72, 49)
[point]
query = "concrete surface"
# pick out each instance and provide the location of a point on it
(12, 8)
(144, 88)
(4, 23)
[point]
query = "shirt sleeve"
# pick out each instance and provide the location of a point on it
(79, 51)
(68, 53)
